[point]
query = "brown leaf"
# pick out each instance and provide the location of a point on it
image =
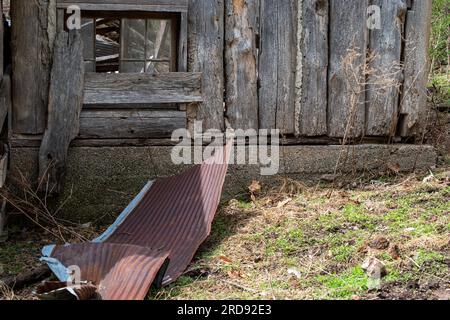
(234, 274)
(255, 187)
(225, 260)
(394, 251)
(395, 168)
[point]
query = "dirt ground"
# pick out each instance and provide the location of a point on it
(293, 241)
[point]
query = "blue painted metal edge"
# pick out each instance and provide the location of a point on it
(61, 271)
(124, 215)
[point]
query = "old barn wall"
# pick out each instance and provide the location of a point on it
(310, 68)
(300, 66)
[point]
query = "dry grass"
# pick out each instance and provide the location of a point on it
(299, 242)
(36, 206)
(6, 293)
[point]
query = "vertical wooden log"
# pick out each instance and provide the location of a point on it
(416, 59)
(241, 63)
(385, 65)
(277, 62)
(205, 54)
(65, 104)
(348, 42)
(33, 31)
(182, 43)
(2, 39)
(3, 113)
(5, 99)
(312, 67)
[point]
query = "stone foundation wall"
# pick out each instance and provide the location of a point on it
(100, 182)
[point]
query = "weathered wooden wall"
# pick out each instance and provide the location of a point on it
(33, 33)
(314, 67)
(311, 68)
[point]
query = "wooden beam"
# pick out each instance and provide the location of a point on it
(27, 278)
(33, 32)
(131, 88)
(277, 62)
(346, 78)
(206, 51)
(121, 5)
(65, 104)
(385, 69)
(5, 99)
(414, 99)
(241, 59)
(126, 124)
(312, 67)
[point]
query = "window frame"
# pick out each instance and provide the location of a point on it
(157, 9)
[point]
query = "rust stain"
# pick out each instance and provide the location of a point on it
(238, 6)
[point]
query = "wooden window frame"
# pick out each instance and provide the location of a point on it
(173, 60)
(145, 9)
(175, 35)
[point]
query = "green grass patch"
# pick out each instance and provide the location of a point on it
(343, 286)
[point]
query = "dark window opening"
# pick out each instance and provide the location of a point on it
(130, 44)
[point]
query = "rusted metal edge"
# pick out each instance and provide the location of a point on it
(154, 239)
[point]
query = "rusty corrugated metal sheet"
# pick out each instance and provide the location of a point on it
(120, 271)
(173, 218)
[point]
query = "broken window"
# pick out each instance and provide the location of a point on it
(143, 44)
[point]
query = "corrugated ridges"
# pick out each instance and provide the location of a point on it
(173, 218)
(177, 213)
(120, 271)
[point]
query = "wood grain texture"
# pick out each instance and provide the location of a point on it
(2, 39)
(417, 64)
(33, 33)
(205, 54)
(133, 88)
(277, 61)
(126, 124)
(5, 99)
(65, 104)
(312, 67)
(241, 58)
(121, 5)
(346, 88)
(384, 82)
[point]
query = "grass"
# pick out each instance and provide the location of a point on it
(325, 240)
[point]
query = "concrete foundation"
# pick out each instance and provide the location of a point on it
(100, 182)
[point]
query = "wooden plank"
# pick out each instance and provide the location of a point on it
(385, 69)
(5, 99)
(65, 103)
(125, 124)
(241, 63)
(121, 5)
(33, 34)
(277, 65)
(2, 39)
(182, 43)
(312, 67)
(130, 88)
(346, 97)
(417, 64)
(205, 54)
